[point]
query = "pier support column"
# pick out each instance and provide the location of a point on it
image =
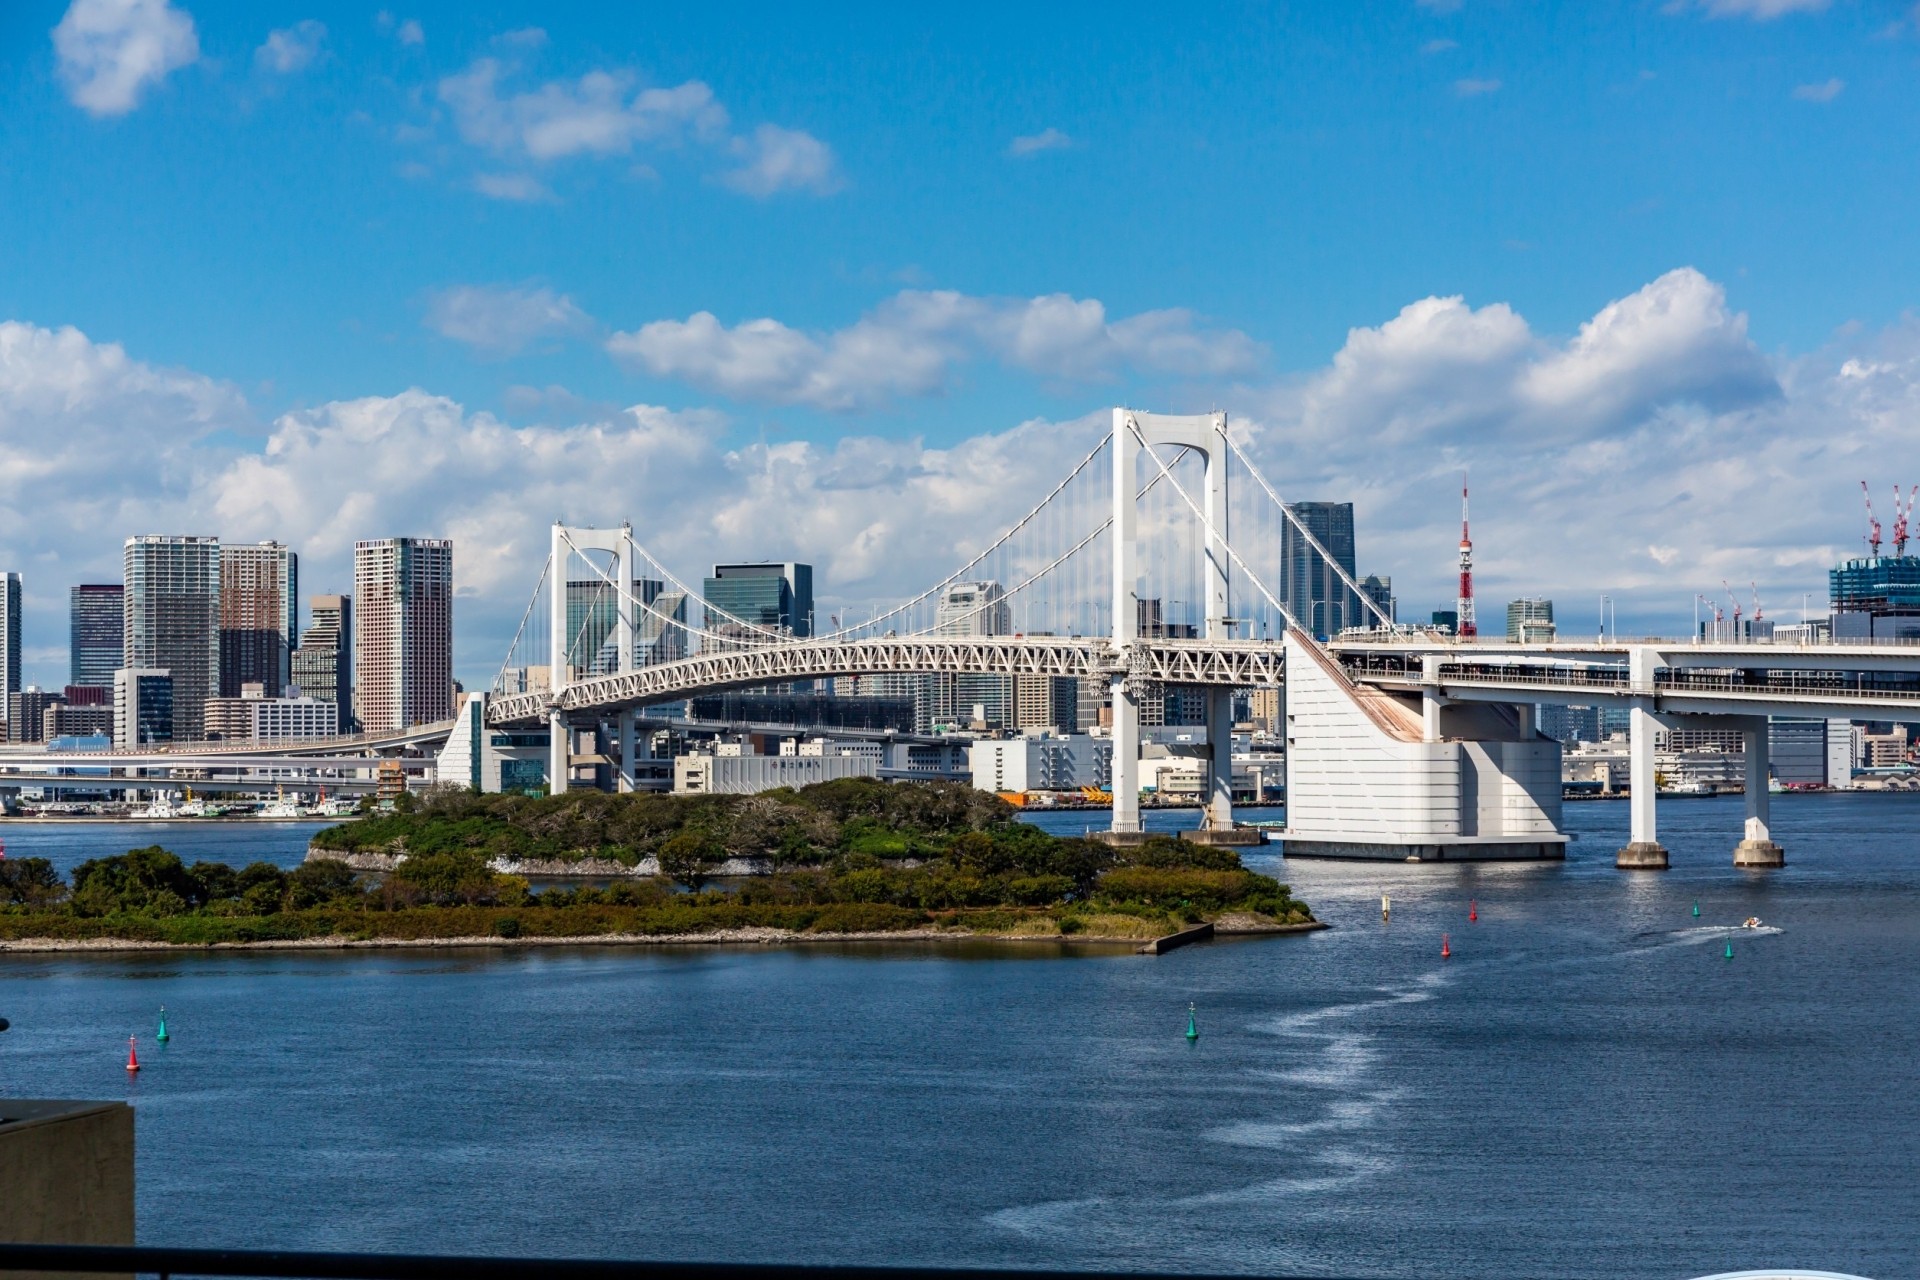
(1126, 757)
(559, 752)
(1644, 852)
(1219, 780)
(1756, 848)
(623, 725)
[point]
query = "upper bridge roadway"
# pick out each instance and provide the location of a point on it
(1876, 681)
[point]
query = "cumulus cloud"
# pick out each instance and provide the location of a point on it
(291, 49)
(110, 52)
(1649, 453)
(605, 114)
(1032, 144)
(501, 319)
(774, 159)
(910, 344)
(1825, 91)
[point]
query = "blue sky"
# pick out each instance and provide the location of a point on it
(309, 228)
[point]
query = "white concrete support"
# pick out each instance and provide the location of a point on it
(1218, 791)
(1126, 625)
(560, 741)
(1430, 699)
(1756, 847)
(1643, 851)
(1126, 757)
(623, 726)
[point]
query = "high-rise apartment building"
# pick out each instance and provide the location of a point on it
(259, 616)
(323, 664)
(97, 623)
(10, 681)
(403, 634)
(172, 620)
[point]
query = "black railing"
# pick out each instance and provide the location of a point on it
(147, 1260)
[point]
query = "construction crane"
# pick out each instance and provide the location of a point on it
(1873, 523)
(1758, 612)
(1736, 610)
(1902, 519)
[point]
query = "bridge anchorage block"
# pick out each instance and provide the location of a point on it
(1759, 854)
(1642, 855)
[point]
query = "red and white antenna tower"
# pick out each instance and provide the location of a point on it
(1465, 627)
(1873, 523)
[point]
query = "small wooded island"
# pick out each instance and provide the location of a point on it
(853, 858)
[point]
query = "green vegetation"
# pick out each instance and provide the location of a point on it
(850, 857)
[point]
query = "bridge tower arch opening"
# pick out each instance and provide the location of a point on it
(577, 540)
(1135, 433)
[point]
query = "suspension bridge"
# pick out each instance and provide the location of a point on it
(1165, 558)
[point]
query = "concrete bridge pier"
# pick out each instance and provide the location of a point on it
(1756, 848)
(623, 726)
(1644, 852)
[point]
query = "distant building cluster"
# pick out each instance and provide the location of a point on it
(200, 641)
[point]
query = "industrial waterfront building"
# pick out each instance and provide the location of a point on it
(402, 633)
(172, 621)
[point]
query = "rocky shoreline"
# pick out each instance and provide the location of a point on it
(1226, 926)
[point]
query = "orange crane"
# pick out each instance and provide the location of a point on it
(1736, 609)
(1873, 523)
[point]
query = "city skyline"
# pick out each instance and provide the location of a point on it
(859, 357)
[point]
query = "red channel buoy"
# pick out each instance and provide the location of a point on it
(1473, 909)
(133, 1059)
(1445, 949)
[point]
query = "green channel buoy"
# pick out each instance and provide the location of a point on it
(1729, 948)
(1696, 911)
(161, 1035)
(1193, 1031)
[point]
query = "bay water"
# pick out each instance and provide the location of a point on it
(1586, 1087)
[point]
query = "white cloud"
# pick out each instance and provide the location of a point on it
(512, 186)
(910, 344)
(1825, 91)
(523, 38)
(500, 319)
(1475, 88)
(601, 113)
(408, 32)
(111, 51)
(1432, 47)
(776, 159)
(1758, 10)
(1032, 144)
(291, 49)
(1649, 454)
(606, 114)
